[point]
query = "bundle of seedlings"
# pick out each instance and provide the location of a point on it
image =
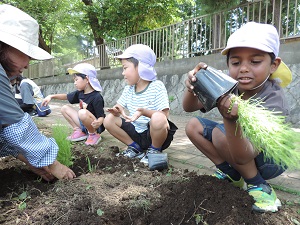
(65, 155)
(268, 132)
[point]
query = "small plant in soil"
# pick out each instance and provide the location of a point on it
(22, 199)
(65, 155)
(91, 168)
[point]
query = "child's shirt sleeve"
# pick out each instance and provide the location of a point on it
(73, 97)
(161, 100)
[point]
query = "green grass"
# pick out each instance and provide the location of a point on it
(65, 155)
(281, 188)
(268, 132)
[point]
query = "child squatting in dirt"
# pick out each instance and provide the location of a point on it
(87, 122)
(252, 59)
(147, 130)
(19, 135)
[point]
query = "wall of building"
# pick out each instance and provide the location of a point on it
(173, 73)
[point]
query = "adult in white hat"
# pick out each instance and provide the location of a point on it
(19, 135)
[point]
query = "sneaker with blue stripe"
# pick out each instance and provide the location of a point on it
(131, 152)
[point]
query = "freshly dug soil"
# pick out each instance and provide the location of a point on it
(114, 190)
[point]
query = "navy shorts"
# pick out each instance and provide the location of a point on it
(144, 139)
(267, 167)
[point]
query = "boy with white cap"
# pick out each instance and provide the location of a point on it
(19, 135)
(87, 123)
(147, 127)
(252, 59)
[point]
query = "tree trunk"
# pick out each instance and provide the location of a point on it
(42, 43)
(95, 26)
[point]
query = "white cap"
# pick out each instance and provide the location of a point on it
(260, 36)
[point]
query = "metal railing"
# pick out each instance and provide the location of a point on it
(202, 35)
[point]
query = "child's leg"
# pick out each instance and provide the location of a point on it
(158, 129)
(195, 132)
(71, 116)
(113, 125)
(86, 117)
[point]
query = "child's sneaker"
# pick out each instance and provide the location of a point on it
(77, 135)
(93, 139)
(265, 198)
(131, 152)
(222, 176)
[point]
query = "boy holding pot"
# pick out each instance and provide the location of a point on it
(252, 59)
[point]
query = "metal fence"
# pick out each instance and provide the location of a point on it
(202, 35)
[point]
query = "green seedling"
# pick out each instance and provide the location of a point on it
(23, 197)
(170, 170)
(198, 218)
(100, 212)
(91, 168)
(171, 98)
(65, 155)
(268, 132)
(199, 166)
(88, 187)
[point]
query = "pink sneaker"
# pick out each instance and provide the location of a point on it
(93, 139)
(77, 135)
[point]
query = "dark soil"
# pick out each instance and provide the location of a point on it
(114, 190)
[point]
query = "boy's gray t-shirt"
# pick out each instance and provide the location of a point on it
(272, 97)
(10, 111)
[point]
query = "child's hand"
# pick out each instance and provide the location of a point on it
(191, 75)
(117, 111)
(227, 108)
(135, 116)
(46, 100)
(96, 124)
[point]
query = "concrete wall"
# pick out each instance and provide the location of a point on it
(173, 73)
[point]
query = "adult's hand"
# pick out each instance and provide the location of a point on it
(60, 171)
(39, 171)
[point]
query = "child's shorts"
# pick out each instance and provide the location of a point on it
(267, 167)
(144, 138)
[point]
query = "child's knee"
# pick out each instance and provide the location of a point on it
(64, 108)
(159, 121)
(108, 120)
(192, 126)
(82, 114)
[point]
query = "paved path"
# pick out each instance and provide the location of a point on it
(183, 154)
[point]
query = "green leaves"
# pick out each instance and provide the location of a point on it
(268, 132)
(65, 155)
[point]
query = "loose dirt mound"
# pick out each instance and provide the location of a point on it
(115, 190)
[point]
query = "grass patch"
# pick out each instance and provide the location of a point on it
(281, 188)
(60, 134)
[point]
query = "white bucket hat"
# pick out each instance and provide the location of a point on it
(88, 70)
(146, 57)
(21, 31)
